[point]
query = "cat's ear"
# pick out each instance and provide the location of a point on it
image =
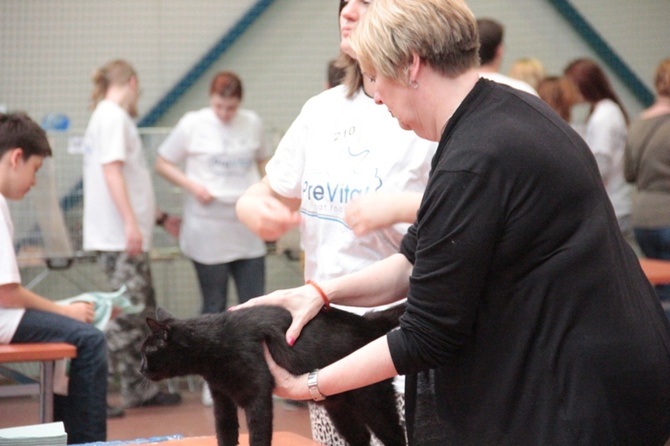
(163, 314)
(155, 326)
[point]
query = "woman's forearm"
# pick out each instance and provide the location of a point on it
(381, 283)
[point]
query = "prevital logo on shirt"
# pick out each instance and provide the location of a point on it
(325, 193)
(225, 165)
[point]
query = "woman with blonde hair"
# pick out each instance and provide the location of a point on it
(119, 217)
(529, 70)
(522, 295)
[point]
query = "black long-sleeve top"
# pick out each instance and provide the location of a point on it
(524, 296)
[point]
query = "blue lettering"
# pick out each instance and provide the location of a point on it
(318, 193)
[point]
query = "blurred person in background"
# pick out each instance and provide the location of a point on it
(605, 132)
(560, 94)
(491, 53)
(223, 150)
(647, 165)
(119, 217)
(528, 70)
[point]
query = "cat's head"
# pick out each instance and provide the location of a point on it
(164, 354)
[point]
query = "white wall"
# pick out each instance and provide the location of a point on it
(48, 49)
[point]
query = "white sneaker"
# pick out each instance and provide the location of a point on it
(206, 395)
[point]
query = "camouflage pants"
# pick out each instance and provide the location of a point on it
(125, 333)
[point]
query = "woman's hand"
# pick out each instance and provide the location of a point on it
(303, 303)
(199, 192)
(286, 385)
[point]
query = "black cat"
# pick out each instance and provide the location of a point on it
(226, 349)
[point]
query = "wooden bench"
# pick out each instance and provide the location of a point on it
(657, 271)
(46, 354)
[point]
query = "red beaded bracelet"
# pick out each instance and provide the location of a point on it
(326, 302)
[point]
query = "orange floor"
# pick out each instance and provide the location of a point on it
(190, 418)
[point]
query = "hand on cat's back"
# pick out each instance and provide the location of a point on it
(304, 303)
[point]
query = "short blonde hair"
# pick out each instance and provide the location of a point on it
(443, 33)
(529, 70)
(662, 78)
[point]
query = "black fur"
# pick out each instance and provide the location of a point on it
(226, 350)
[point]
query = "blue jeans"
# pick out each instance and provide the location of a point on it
(249, 276)
(655, 244)
(84, 410)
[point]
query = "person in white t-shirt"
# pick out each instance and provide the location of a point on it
(349, 176)
(119, 216)
(223, 150)
(26, 317)
(491, 51)
(606, 132)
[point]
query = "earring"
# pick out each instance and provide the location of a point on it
(414, 84)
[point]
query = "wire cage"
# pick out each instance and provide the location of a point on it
(48, 235)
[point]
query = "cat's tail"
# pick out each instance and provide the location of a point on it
(387, 319)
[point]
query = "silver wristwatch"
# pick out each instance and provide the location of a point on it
(313, 386)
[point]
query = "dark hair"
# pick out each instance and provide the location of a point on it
(592, 82)
(491, 35)
(226, 84)
(335, 73)
(17, 130)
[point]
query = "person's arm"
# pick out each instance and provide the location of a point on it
(116, 184)
(367, 365)
(380, 210)
(176, 176)
(13, 295)
(381, 283)
(266, 213)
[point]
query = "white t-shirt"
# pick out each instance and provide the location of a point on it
(506, 80)
(111, 136)
(9, 273)
(606, 132)
(336, 149)
(224, 158)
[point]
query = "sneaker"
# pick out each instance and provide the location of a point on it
(115, 412)
(206, 395)
(161, 399)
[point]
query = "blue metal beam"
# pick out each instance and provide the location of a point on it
(602, 48)
(75, 195)
(207, 60)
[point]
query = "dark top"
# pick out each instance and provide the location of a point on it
(524, 296)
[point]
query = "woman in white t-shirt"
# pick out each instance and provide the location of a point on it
(349, 176)
(223, 151)
(605, 132)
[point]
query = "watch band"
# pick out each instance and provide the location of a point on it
(313, 386)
